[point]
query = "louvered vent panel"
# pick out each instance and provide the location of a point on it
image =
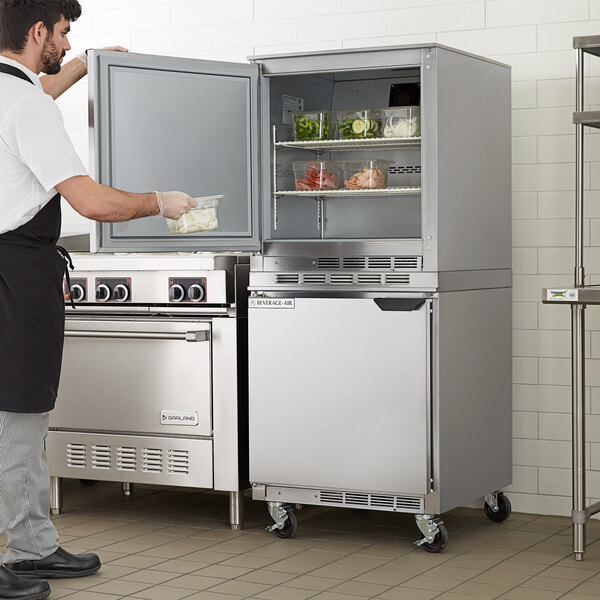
(380, 262)
(126, 459)
(331, 497)
(76, 455)
(179, 462)
(397, 279)
(336, 279)
(407, 263)
(382, 501)
(357, 499)
(314, 278)
(407, 503)
(328, 263)
(405, 170)
(101, 457)
(371, 278)
(288, 278)
(152, 460)
(354, 262)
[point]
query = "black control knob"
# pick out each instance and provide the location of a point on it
(176, 293)
(102, 293)
(77, 292)
(121, 293)
(196, 293)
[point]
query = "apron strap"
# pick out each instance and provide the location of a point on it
(68, 264)
(10, 70)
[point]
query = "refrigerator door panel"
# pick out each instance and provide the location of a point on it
(163, 123)
(339, 394)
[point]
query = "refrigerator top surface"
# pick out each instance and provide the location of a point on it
(263, 57)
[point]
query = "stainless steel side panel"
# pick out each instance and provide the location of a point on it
(134, 459)
(339, 396)
(115, 384)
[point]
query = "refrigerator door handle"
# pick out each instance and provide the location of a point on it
(399, 304)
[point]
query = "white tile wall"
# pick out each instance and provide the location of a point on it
(535, 38)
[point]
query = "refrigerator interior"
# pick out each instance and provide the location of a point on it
(346, 218)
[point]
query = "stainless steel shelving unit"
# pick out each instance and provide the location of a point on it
(578, 297)
(393, 191)
(374, 143)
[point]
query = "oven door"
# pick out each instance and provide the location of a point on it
(135, 375)
(340, 393)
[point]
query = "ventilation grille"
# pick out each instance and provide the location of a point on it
(128, 458)
(405, 170)
(314, 278)
(179, 462)
(76, 456)
(341, 279)
(369, 278)
(101, 457)
(380, 501)
(397, 279)
(388, 263)
(288, 278)
(328, 263)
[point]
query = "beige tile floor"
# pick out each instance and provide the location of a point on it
(174, 543)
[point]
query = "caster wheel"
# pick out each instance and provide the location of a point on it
(88, 482)
(439, 542)
(289, 527)
(504, 509)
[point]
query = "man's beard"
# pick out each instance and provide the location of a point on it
(51, 58)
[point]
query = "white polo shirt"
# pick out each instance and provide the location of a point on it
(36, 152)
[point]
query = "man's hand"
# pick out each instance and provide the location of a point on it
(174, 204)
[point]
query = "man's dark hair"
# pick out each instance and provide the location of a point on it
(17, 17)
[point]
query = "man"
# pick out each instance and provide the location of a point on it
(38, 164)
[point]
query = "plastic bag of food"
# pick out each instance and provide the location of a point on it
(203, 217)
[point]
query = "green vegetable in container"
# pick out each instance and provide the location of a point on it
(363, 127)
(308, 129)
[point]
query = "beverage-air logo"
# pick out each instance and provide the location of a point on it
(175, 417)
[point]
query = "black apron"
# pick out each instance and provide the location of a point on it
(32, 313)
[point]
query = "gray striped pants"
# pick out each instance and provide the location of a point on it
(25, 487)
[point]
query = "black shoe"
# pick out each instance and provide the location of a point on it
(13, 587)
(59, 565)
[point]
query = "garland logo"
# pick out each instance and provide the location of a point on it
(175, 417)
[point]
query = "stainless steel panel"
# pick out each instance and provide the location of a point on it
(132, 459)
(472, 395)
(116, 384)
(163, 123)
(339, 396)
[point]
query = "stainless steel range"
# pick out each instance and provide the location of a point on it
(153, 386)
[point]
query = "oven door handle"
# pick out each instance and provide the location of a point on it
(188, 336)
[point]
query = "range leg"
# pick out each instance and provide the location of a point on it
(236, 510)
(55, 495)
(127, 488)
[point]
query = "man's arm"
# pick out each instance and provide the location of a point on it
(70, 73)
(103, 203)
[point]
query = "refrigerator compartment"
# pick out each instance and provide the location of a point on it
(203, 217)
(366, 174)
(311, 126)
(359, 124)
(319, 175)
(401, 122)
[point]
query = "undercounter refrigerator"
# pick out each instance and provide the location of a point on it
(380, 305)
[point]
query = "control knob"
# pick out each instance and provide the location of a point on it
(120, 293)
(196, 293)
(102, 293)
(176, 293)
(77, 292)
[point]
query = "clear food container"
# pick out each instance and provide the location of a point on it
(402, 121)
(203, 217)
(366, 174)
(317, 175)
(311, 126)
(358, 124)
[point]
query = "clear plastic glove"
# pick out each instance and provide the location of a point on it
(82, 56)
(173, 205)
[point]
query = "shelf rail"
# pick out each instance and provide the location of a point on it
(578, 297)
